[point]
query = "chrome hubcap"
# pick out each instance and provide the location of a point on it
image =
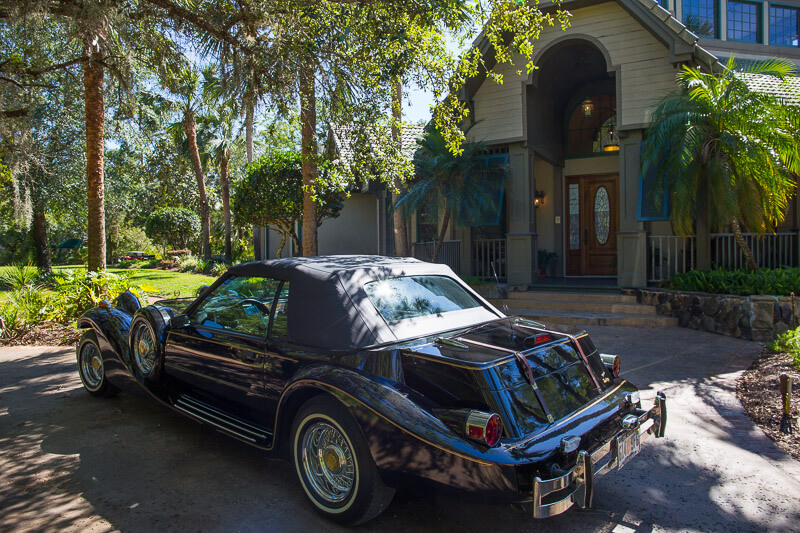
(328, 462)
(144, 349)
(91, 365)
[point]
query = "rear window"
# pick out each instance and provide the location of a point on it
(418, 296)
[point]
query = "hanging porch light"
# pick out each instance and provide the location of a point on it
(588, 107)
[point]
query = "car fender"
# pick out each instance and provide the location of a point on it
(111, 325)
(402, 437)
(373, 401)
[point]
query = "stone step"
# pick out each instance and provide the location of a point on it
(572, 296)
(587, 305)
(594, 318)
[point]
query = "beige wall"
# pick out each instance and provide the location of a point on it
(644, 73)
(356, 229)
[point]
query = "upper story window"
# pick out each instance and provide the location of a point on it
(744, 21)
(784, 25)
(700, 16)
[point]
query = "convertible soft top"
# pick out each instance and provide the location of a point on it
(328, 307)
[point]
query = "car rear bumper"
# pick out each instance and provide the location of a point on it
(576, 487)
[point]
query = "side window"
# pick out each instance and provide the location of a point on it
(240, 304)
(280, 325)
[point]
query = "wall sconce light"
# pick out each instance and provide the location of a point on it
(588, 107)
(538, 198)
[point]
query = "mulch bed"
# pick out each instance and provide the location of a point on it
(47, 334)
(760, 393)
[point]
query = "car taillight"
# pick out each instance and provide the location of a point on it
(542, 338)
(611, 362)
(484, 427)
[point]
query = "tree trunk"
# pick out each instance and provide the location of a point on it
(308, 120)
(39, 231)
(248, 142)
(748, 255)
(442, 233)
(94, 100)
(190, 127)
(279, 251)
(226, 204)
(400, 226)
(248, 129)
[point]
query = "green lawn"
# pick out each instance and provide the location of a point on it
(166, 283)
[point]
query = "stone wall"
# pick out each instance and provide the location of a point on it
(759, 318)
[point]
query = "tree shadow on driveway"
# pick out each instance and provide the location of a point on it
(71, 461)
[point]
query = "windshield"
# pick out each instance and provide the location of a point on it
(418, 296)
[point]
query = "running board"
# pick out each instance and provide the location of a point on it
(222, 420)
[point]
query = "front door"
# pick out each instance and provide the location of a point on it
(592, 224)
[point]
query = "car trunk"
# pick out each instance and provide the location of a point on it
(529, 375)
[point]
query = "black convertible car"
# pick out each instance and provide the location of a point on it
(370, 371)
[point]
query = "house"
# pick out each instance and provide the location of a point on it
(571, 135)
(365, 223)
(573, 129)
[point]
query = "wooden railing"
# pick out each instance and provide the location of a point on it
(668, 255)
(488, 252)
(769, 251)
(449, 254)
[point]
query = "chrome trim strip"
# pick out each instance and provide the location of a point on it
(205, 407)
(219, 422)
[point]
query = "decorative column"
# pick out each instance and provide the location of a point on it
(521, 239)
(631, 237)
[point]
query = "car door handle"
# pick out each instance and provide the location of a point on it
(248, 357)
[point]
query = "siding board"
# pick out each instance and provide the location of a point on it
(643, 62)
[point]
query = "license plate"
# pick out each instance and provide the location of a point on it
(627, 447)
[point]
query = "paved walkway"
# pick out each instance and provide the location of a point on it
(72, 462)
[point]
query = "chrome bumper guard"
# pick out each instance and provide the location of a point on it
(579, 482)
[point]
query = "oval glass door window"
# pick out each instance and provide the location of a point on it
(602, 215)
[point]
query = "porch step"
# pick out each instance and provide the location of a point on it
(547, 296)
(594, 319)
(578, 306)
(585, 309)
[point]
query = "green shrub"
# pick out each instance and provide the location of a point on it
(80, 290)
(777, 282)
(19, 276)
(172, 226)
(788, 342)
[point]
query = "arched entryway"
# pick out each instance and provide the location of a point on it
(572, 129)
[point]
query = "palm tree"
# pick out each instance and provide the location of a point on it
(725, 153)
(185, 86)
(466, 185)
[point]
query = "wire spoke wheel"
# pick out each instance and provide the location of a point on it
(144, 349)
(91, 366)
(328, 462)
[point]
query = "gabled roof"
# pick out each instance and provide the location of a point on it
(343, 141)
(787, 90)
(682, 43)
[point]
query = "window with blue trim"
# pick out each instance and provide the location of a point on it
(664, 4)
(784, 25)
(700, 16)
(744, 21)
(651, 206)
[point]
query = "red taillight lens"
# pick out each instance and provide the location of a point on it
(542, 338)
(485, 427)
(494, 430)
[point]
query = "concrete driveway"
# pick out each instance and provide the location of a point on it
(69, 461)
